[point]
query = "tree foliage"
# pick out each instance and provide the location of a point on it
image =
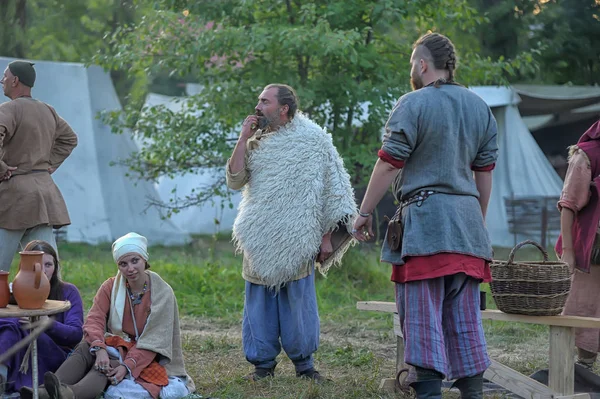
(564, 36)
(349, 62)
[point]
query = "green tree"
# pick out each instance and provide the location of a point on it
(563, 35)
(12, 30)
(349, 62)
(570, 32)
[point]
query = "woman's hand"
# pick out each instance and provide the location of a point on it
(117, 374)
(568, 257)
(102, 362)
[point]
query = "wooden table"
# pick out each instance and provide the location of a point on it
(49, 308)
(561, 369)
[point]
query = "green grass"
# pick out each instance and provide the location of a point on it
(357, 348)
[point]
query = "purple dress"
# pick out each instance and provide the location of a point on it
(53, 345)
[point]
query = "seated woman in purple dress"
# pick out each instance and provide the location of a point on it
(56, 342)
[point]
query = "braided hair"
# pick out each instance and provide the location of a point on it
(443, 55)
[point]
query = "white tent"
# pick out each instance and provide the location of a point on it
(522, 169)
(103, 202)
(213, 216)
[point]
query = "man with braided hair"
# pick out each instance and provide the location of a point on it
(442, 137)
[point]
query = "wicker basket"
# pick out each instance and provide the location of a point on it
(530, 288)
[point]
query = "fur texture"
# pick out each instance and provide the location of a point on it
(298, 190)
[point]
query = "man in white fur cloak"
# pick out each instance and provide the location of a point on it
(296, 213)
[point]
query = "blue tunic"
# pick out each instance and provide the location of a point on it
(441, 134)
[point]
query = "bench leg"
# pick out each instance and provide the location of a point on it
(561, 371)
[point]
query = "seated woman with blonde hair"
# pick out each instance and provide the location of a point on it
(55, 343)
(132, 340)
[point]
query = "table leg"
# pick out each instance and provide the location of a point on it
(561, 371)
(34, 363)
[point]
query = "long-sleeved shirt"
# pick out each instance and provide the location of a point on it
(33, 138)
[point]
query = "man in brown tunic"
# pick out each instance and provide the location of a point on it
(34, 142)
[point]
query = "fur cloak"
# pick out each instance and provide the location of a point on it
(298, 190)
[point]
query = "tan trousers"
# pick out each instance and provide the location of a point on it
(79, 373)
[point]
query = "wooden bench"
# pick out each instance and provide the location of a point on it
(561, 376)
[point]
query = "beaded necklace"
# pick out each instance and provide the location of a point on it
(136, 298)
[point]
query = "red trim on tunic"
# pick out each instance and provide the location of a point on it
(439, 265)
(385, 157)
(483, 168)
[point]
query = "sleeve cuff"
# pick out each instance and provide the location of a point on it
(130, 363)
(567, 204)
(385, 157)
(230, 173)
(483, 168)
(94, 345)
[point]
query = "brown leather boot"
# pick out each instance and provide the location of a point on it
(27, 393)
(55, 389)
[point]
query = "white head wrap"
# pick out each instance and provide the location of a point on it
(130, 242)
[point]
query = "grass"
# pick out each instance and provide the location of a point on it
(357, 348)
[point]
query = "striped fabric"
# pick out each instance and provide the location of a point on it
(441, 323)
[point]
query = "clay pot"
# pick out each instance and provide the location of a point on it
(4, 290)
(31, 286)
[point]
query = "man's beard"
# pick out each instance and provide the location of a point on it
(416, 82)
(271, 122)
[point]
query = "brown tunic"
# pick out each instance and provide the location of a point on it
(33, 138)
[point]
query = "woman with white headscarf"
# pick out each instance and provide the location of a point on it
(132, 340)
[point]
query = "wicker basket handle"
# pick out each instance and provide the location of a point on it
(511, 256)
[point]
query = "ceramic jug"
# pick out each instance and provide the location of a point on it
(31, 286)
(4, 291)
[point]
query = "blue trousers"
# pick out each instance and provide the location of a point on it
(290, 314)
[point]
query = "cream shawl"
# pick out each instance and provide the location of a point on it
(161, 334)
(298, 190)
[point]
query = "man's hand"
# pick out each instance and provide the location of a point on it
(249, 127)
(568, 257)
(363, 228)
(51, 170)
(326, 247)
(8, 173)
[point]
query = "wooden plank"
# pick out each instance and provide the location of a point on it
(563, 321)
(493, 314)
(575, 396)
(377, 306)
(517, 382)
(561, 373)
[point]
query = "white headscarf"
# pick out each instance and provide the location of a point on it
(129, 243)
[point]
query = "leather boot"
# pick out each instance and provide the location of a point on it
(55, 389)
(27, 393)
(428, 389)
(470, 387)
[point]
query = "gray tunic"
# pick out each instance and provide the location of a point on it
(441, 134)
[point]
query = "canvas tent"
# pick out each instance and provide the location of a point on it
(211, 217)
(522, 169)
(558, 115)
(102, 201)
